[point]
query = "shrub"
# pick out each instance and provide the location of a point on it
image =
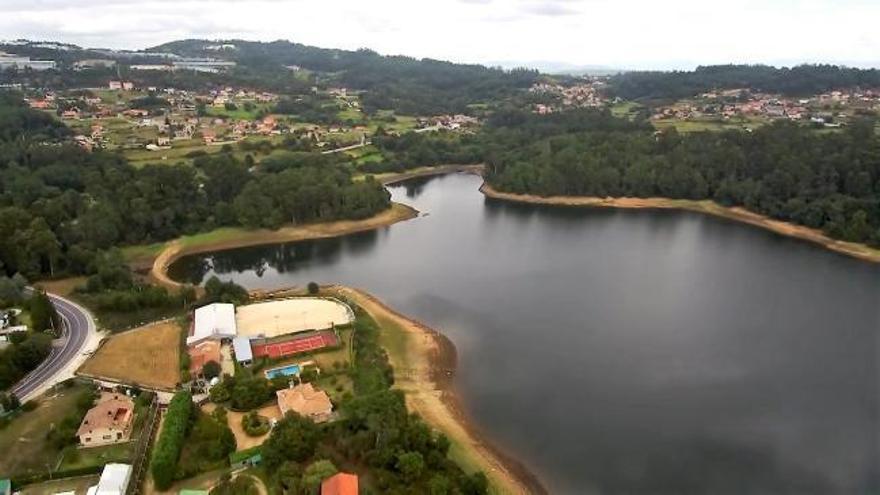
(167, 449)
(255, 425)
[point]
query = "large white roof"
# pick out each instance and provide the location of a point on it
(114, 479)
(214, 321)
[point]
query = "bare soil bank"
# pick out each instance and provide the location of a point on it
(424, 364)
(709, 207)
(235, 238)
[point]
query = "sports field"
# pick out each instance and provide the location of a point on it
(274, 318)
(296, 345)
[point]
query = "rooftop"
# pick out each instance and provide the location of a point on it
(340, 484)
(214, 321)
(304, 400)
(113, 413)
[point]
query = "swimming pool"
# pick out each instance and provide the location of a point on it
(289, 370)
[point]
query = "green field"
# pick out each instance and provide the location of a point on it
(239, 113)
(625, 109)
(708, 124)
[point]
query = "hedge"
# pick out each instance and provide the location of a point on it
(167, 449)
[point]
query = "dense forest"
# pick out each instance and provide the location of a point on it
(60, 205)
(829, 181)
(801, 80)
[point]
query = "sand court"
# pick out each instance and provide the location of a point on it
(274, 318)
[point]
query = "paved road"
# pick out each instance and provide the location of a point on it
(78, 325)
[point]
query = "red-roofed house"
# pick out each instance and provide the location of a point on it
(340, 484)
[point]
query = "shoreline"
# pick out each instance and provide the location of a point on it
(232, 238)
(425, 366)
(708, 207)
(395, 177)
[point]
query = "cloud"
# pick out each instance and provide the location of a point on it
(550, 9)
(632, 33)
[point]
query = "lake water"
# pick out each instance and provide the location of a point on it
(618, 351)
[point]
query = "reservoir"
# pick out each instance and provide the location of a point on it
(621, 351)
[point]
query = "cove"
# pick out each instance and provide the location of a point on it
(617, 351)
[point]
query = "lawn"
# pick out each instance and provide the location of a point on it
(25, 436)
(625, 109)
(142, 253)
(78, 485)
(148, 356)
(77, 458)
(708, 124)
(239, 113)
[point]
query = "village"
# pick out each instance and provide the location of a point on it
(747, 108)
(153, 124)
(246, 366)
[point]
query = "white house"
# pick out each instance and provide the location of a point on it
(214, 321)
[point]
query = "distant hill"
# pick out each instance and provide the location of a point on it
(410, 85)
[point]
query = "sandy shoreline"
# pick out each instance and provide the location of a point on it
(173, 250)
(708, 207)
(424, 369)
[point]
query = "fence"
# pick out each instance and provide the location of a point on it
(140, 460)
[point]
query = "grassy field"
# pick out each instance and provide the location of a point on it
(25, 436)
(148, 356)
(625, 109)
(706, 124)
(239, 113)
(78, 485)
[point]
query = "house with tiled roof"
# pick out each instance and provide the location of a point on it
(108, 422)
(306, 401)
(340, 484)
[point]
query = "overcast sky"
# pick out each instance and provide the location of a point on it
(616, 33)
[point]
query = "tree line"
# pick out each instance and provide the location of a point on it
(60, 205)
(800, 80)
(828, 181)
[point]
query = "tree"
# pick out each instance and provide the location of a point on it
(294, 438)
(211, 369)
(313, 288)
(43, 314)
(315, 473)
(411, 465)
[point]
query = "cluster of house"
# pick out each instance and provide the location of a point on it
(587, 93)
(449, 122)
(7, 318)
(827, 109)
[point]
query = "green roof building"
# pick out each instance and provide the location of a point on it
(5, 487)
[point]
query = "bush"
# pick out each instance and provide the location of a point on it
(255, 425)
(167, 449)
(314, 288)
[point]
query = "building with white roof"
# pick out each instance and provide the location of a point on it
(214, 321)
(242, 348)
(114, 480)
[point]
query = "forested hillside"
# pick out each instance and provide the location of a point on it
(405, 84)
(801, 80)
(61, 205)
(829, 181)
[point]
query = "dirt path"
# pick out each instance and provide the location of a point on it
(709, 207)
(424, 362)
